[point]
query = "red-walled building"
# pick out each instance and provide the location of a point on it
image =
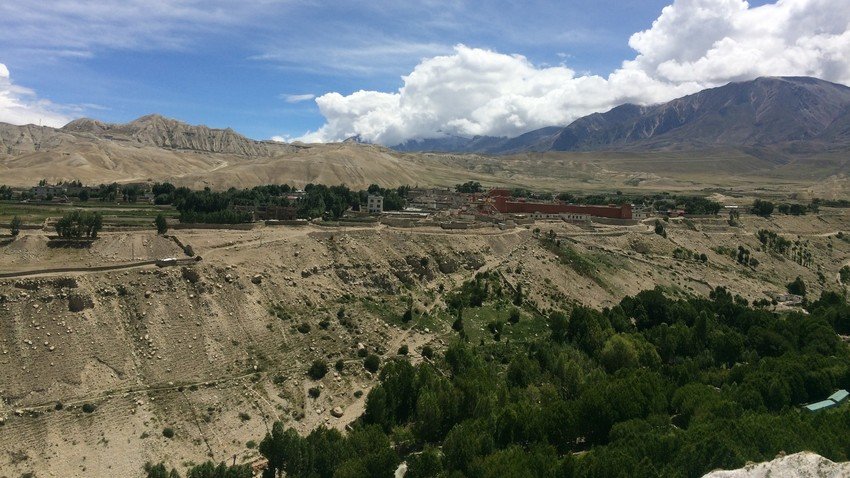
(507, 205)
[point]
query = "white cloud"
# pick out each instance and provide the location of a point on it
(289, 98)
(76, 27)
(19, 105)
(350, 54)
(694, 44)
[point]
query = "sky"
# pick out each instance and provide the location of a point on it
(392, 71)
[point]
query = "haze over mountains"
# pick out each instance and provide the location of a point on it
(782, 113)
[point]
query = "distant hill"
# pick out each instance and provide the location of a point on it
(791, 114)
(162, 132)
(162, 149)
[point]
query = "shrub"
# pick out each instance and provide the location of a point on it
(659, 228)
(403, 350)
(251, 444)
(161, 224)
(318, 370)
(168, 432)
(514, 316)
(339, 365)
(372, 363)
(15, 226)
(304, 328)
(244, 416)
(89, 408)
(314, 392)
(428, 351)
(797, 287)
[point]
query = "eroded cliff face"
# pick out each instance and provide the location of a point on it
(156, 130)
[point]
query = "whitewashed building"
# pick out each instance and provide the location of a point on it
(375, 204)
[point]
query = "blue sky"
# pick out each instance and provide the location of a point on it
(245, 65)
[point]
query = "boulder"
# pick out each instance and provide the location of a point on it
(337, 412)
(257, 279)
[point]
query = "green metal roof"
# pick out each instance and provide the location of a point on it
(822, 405)
(839, 396)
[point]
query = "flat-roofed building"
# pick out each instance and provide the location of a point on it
(375, 204)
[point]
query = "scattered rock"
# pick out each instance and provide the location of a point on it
(190, 275)
(79, 303)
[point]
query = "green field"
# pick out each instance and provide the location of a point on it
(114, 214)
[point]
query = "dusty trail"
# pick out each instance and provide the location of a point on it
(76, 270)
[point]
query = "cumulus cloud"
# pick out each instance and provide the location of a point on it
(19, 105)
(694, 44)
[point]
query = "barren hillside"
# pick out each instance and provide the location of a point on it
(218, 350)
(154, 148)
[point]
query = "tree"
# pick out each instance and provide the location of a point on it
(762, 208)
(429, 419)
(659, 228)
(514, 316)
(161, 224)
(77, 224)
(618, 352)
(372, 363)
(159, 471)
(797, 287)
(469, 187)
(427, 464)
(318, 370)
(558, 325)
(408, 314)
(457, 325)
(15, 226)
(518, 296)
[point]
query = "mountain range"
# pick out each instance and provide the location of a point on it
(782, 114)
(789, 128)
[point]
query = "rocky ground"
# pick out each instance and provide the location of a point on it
(808, 465)
(94, 366)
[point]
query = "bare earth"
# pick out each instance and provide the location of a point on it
(193, 348)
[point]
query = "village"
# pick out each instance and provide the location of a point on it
(449, 208)
(217, 322)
